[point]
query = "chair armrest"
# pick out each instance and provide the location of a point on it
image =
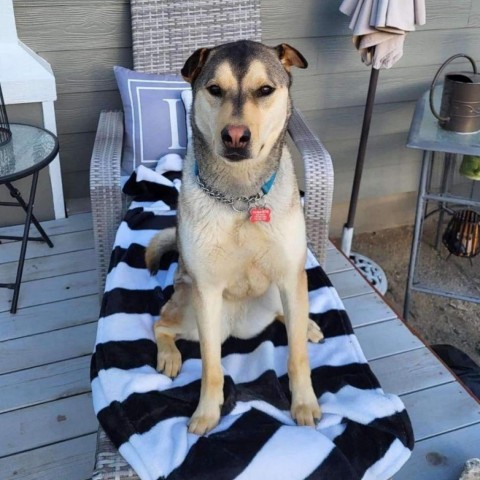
(105, 191)
(318, 184)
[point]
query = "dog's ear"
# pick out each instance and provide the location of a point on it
(290, 57)
(194, 64)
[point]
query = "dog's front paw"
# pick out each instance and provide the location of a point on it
(203, 420)
(306, 411)
(314, 333)
(169, 360)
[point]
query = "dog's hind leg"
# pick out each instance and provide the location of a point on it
(166, 328)
(314, 332)
(305, 409)
(169, 359)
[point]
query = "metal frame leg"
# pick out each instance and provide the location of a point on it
(18, 197)
(417, 231)
(28, 208)
(447, 170)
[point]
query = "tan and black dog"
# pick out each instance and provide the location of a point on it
(241, 231)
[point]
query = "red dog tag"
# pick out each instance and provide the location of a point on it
(258, 214)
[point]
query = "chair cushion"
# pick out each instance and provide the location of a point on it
(155, 121)
(364, 432)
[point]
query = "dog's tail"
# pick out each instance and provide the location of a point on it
(161, 243)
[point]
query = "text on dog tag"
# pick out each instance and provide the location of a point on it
(258, 214)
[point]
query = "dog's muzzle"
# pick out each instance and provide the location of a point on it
(236, 142)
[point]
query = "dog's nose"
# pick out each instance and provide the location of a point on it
(236, 136)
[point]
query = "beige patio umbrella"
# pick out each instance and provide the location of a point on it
(379, 28)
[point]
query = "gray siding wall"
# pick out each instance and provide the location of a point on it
(83, 40)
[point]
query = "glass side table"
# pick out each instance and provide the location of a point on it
(29, 150)
(442, 191)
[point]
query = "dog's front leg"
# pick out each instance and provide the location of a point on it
(305, 409)
(208, 304)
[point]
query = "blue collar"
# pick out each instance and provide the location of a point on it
(269, 183)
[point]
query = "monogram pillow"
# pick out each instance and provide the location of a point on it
(155, 121)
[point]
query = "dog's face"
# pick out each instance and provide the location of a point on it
(241, 101)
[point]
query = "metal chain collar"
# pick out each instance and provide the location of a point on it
(239, 204)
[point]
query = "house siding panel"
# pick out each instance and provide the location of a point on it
(83, 40)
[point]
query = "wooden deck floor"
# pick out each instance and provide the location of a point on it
(47, 424)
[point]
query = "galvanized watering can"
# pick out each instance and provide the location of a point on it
(460, 107)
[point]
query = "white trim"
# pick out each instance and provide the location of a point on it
(144, 80)
(54, 167)
(8, 29)
(23, 77)
(28, 78)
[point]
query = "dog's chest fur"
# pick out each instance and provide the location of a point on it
(224, 246)
(251, 250)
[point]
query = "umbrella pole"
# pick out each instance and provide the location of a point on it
(347, 235)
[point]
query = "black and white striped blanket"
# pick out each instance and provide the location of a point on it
(364, 433)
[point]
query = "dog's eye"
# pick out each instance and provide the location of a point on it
(215, 90)
(265, 91)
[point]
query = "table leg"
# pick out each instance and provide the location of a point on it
(23, 250)
(419, 216)
(447, 169)
(16, 194)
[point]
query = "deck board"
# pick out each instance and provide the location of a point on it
(410, 371)
(385, 339)
(76, 223)
(45, 348)
(71, 459)
(47, 424)
(441, 409)
(45, 383)
(47, 317)
(442, 457)
(65, 242)
(336, 262)
(52, 289)
(349, 284)
(51, 265)
(367, 309)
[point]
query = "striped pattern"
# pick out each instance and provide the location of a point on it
(364, 433)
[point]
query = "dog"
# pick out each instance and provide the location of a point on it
(241, 231)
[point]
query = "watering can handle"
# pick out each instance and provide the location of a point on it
(434, 81)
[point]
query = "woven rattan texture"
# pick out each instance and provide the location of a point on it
(109, 464)
(105, 193)
(318, 184)
(165, 33)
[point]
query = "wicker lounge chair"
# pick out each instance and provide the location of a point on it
(164, 34)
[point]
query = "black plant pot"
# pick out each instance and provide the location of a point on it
(462, 236)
